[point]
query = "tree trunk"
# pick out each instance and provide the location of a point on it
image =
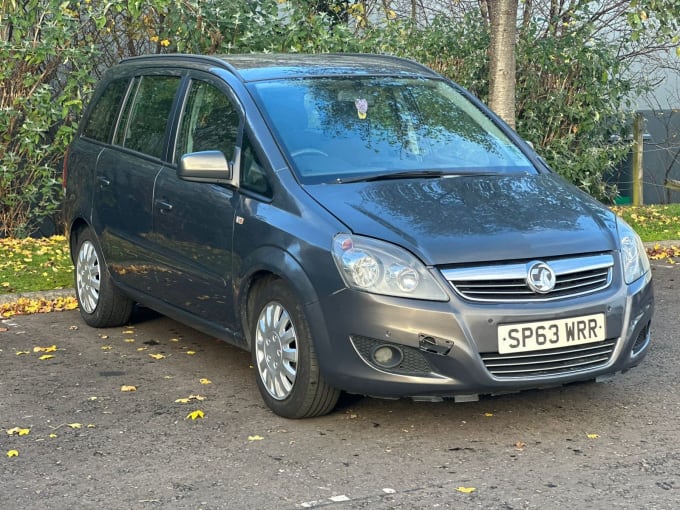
(502, 73)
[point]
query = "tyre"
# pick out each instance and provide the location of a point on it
(101, 303)
(283, 354)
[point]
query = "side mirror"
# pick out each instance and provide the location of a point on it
(205, 166)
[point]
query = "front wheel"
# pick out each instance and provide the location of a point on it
(101, 303)
(283, 353)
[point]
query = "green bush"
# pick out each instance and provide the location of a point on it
(571, 90)
(42, 80)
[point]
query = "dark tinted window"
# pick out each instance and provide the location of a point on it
(209, 122)
(102, 118)
(146, 114)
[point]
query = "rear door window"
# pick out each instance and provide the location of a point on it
(145, 117)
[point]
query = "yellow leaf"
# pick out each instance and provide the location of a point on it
(19, 431)
(593, 436)
(129, 340)
(142, 348)
(195, 414)
(466, 490)
(52, 435)
(91, 426)
(157, 356)
(51, 348)
(75, 425)
(488, 415)
(92, 398)
(205, 381)
(128, 388)
(196, 397)
(128, 332)
(174, 339)
(12, 453)
(19, 353)
(255, 438)
(191, 353)
(182, 401)
(106, 347)
(46, 356)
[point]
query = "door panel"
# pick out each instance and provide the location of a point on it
(193, 229)
(194, 222)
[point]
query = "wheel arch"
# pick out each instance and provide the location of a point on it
(265, 265)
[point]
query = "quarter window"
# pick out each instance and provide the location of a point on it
(102, 118)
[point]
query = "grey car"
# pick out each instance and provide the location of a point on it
(357, 222)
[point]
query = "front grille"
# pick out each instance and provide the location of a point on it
(549, 362)
(508, 282)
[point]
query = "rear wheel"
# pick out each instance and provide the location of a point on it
(101, 303)
(283, 353)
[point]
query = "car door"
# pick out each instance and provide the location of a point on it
(194, 222)
(126, 171)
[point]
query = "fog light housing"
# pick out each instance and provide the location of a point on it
(387, 356)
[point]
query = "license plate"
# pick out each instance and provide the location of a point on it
(536, 336)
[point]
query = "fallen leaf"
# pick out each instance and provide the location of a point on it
(18, 431)
(519, 445)
(128, 388)
(91, 426)
(157, 356)
(92, 398)
(52, 435)
(196, 397)
(191, 353)
(46, 356)
(128, 332)
(106, 347)
(593, 436)
(195, 414)
(182, 401)
(142, 348)
(466, 490)
(12, 453)
(19, 353)
(488, 415)
(75, 425)
(129, 340)
(255, 438)
(205, 381)
(174, 339)
(51, 348)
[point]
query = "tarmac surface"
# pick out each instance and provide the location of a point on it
(90, 444)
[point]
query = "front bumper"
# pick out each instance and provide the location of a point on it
(448, 347)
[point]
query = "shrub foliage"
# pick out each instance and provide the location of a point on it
(571, 90)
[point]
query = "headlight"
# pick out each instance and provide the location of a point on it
(633, 253)
(381, 268)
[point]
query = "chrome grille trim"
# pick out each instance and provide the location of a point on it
(551, 362)
(508, 282)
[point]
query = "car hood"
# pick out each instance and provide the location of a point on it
(466, 219)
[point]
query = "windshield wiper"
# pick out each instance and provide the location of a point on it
(410, 174)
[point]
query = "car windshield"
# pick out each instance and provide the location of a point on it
(348, 129)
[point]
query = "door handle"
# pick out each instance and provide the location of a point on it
(163, 206)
